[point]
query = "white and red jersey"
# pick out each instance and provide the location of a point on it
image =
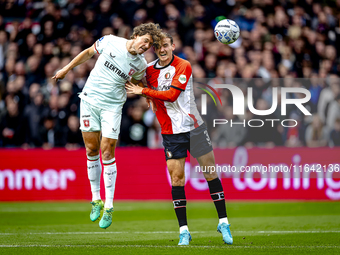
(181, 115)
(105, 87)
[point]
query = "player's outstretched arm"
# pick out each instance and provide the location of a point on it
(131, 84)
(132, 88)
(79, 59)
(170, 95)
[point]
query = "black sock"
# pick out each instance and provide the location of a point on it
(217, 195)
(180, 203)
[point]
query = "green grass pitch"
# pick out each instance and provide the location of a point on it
(151, 228)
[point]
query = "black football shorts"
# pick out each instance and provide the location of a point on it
(197, 142)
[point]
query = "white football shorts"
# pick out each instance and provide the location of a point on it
(96, 119)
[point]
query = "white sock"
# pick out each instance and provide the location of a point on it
(223, 220)
(181, 229)
(94, 170)
(110, 175)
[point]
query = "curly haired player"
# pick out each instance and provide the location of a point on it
(102, 101)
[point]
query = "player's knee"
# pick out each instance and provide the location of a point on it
(178, 179)
(210, 178)
(210, 175)
(107, 155)
(92, 150)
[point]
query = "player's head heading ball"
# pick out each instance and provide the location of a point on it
(151, 29)
(167, 35)
(165, 49)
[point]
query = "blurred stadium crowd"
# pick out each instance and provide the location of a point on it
(282, 43)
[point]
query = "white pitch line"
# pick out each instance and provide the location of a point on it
(163, 246)
(173, 232)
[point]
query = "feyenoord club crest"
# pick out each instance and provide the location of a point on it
(168, 154)
(167, 75)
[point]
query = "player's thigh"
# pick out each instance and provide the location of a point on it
(108, 146)
(205, 161)
(201, 149)
(200, 143)
(92, 142)
(176, 146)
(90, 127)
(110, 122)
(89, 117)
(176, 168)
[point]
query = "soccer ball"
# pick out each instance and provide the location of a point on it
(227, 31)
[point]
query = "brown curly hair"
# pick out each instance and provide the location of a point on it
(149, 28)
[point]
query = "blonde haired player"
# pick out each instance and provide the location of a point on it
(101, 105)
(169, 79)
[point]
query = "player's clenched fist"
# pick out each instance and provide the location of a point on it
(60, 75)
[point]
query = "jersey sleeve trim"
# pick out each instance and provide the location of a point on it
(95, 48)
(176, 88)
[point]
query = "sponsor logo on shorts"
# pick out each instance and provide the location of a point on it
(168, 154)
(86, 123)
(114, 130)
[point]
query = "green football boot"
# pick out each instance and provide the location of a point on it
(106, 220)
(97, 206)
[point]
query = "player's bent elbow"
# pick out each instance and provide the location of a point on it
(90, 51)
